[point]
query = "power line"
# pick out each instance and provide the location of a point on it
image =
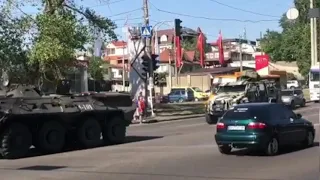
(243, 10)
(108, 3)
(213, 19)
(126, 12)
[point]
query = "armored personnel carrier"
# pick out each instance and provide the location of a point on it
(246, 90)
(50, 122)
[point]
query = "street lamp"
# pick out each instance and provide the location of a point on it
(157, 49)
(155, 29)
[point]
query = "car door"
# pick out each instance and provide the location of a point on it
(174, 95)
(299, 96)
(280, 122)
(294, 126)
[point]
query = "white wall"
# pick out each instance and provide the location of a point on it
(164, 68)
(118, 50)
(116, 73)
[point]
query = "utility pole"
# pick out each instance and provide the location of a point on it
(148, 52)
(123, 70)
(313, 31)
(240, 51)
(170, 69)
(176, 59)
(260, 43)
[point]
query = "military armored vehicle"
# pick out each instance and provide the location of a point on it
(51, 122)
(245, 90)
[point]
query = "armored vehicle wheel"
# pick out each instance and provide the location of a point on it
(15, 141)
(114, 131)
(51, 137)
(89, 133)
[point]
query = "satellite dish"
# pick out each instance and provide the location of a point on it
(5, 79)
(292, 13)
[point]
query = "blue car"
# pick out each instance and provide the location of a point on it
(180, 95)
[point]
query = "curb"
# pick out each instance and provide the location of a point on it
(154, 120)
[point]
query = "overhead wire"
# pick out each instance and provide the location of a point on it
(243, 10)
(212, 19)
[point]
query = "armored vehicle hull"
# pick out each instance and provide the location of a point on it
(50, 123)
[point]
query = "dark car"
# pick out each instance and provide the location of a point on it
(262, 126)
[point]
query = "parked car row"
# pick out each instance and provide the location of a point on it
(184, 94)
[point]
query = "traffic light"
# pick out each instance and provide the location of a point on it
(177, 27)
(155, 62)
(156, 79)
(145, 66)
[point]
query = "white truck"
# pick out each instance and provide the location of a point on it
(314, 83)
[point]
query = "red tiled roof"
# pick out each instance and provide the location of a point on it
(119, 43)
(189, 55)
(164, 55)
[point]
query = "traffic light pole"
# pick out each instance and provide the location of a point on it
(148, 51)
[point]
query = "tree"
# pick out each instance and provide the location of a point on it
(293, 43)
(13, 50)
(60, 30)
(190, 44)
(271, 44)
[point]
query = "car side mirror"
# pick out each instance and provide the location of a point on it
(299, 116)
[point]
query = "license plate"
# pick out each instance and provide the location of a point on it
(236, 128)
(218, 109)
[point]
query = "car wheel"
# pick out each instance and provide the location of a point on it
(180, 100)
(303, 104)
(225, 149)
(292, 87)
(272, 147)
(210, 119)
(196, 99)
(309, 140)
(292, 105)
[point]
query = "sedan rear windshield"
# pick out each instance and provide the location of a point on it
(286, 93)
(243, 113)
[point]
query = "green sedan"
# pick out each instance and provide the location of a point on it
(262, 126)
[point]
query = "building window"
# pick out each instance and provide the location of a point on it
(120, 73)
(111, 51)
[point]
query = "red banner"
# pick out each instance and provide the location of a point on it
(200, 46)
(262, 61)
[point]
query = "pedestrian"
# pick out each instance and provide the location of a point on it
(141, 108)
(136, 116)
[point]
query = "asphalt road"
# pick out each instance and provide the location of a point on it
(178, 150)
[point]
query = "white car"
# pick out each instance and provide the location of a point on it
(293, 84)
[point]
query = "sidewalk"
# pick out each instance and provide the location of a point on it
(169, 118)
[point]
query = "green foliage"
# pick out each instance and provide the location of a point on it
(190, 44)
(96, 68)
(293, 43)
(60, 30)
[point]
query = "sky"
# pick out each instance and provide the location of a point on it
(229, 16)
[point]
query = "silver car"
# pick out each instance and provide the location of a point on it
(293, 98)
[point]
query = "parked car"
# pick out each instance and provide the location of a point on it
(293, 98)
(180, 95)
(293, 84)
(197, 92)
(262, 126)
